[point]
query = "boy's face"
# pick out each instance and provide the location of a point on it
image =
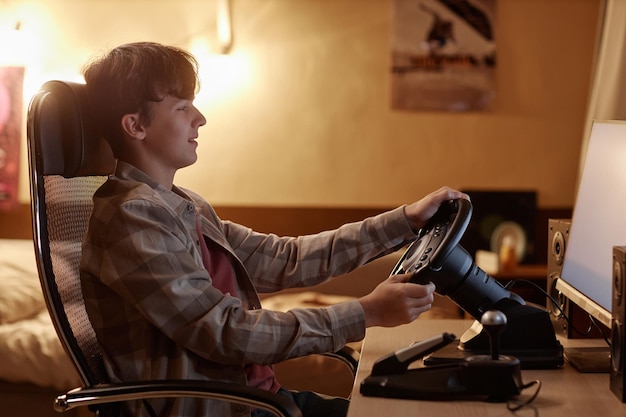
(171, 136)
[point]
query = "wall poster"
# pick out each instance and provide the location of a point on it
(11, 87)
(443, 55)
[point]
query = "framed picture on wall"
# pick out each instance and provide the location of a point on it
(11, 87)
(443, 55)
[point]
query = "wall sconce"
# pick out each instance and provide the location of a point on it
(224, 26)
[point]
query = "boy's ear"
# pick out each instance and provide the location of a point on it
(132, 126)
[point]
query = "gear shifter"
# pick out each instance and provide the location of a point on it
(492, 377)
(494, 323)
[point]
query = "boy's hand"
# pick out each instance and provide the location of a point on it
(419, 212)
(396, 301)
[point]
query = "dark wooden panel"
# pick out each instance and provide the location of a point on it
(291, 221)
(16, 224)
(294, 221)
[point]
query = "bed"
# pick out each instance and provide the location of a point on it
(33, 365)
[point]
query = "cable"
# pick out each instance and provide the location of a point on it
(592, 321)
(516, 405)
(148, 407)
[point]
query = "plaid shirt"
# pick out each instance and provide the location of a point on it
(156, 314)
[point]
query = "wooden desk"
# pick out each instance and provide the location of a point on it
(564, 391)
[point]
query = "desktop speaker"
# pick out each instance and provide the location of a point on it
(618, 312)
(558, 305)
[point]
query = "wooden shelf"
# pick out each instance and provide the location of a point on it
(529, 272)
(537, 274)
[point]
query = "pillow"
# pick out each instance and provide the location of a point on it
(20, 292)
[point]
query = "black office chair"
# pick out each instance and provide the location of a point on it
(68, 161)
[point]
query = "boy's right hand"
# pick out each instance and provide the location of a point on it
(396, 301)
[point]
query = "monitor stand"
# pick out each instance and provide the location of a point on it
(589, 359)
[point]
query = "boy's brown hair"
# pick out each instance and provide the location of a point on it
(130, 77)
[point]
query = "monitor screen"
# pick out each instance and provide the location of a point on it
(598, 222)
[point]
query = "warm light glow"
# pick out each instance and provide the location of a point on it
(222, 77)
(31, 36)
(27, 39)
(18, 45)
(21, 31)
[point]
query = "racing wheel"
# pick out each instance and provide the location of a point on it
(436, 256)
(437, 238)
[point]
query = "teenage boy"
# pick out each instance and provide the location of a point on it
(172, 290)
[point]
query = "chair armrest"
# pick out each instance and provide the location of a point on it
(224, 391)
(349, 356)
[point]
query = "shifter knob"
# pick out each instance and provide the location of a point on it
(494, 323)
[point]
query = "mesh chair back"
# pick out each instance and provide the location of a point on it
(68, 161)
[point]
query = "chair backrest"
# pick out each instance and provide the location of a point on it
(68, 161)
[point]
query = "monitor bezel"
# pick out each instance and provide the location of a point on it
(568, 288)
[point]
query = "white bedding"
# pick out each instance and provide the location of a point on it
(30, 351)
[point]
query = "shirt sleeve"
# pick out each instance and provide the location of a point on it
(276, 263)
(149, 277)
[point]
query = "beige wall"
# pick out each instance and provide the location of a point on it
(304, 117)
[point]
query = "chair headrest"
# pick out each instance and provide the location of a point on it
(67, 142)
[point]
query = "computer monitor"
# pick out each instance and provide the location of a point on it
(598, 222)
